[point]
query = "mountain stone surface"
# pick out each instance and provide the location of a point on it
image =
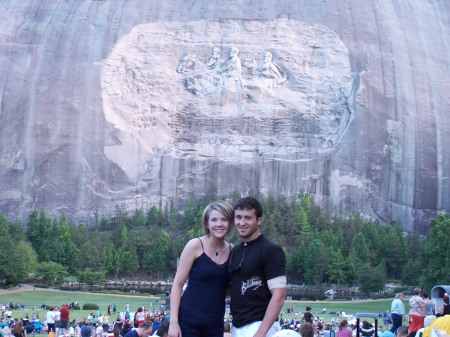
(151, 102)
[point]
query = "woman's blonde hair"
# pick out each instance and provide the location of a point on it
(224, 208)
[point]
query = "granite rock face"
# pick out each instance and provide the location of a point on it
(149, 102)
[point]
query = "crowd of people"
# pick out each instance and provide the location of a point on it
(422, 312)
(56, 323)
(254, 274)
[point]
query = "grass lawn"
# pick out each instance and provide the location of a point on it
(349, 307)
(37, 297)
(51, 298)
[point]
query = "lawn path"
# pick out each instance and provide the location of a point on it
(29, 287)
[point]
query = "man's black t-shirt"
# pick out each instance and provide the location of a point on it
(131, 333)
(308, 317)
(259, 260)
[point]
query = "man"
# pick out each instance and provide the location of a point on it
(64, 322)
(402, 331)
(258, 275)
(86, 329)
(163, 330)
(417, 312)
(308, 316)
(144, 330)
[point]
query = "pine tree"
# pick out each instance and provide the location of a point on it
(437, 253)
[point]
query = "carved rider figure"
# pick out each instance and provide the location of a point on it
(214, 61)
(271, 73)
(233, 67)
(232, 73)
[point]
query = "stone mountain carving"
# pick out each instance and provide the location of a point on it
(215, 76)
(195, 98)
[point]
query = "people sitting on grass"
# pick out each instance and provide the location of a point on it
(343, 330)
(19, 330)
(367, 329)
(87, 329)
(402, 331)
(307, 330)
(163, 330)
(144, 330)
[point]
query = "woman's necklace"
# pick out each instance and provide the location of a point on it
(214, 249)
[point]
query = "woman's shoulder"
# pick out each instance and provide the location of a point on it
(230, 244)
(195, 242)
(194, 247)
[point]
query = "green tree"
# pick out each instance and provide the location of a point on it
(414, 245)
(110, 260)
(411, 272)
(81, 234)
(40, 235)
(120, 217)
(18, 256)
(305, 206)
(370, 231)
(315, 262)
(437, 253)
(371, 279)
(192, 216)
(336, 263)
(348, 228)
(298, 262)
(65, 252)
(394, 250)
(155, 217)
(359, 251)
(289, 260)
(89, 256)
(16, 231)
(349, 271)
(155, 258)
(91, 277)
(6, 247)
(138, 219)
(25, 261)
(173, 218)
(51, 272)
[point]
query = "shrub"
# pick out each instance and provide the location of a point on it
(38, 285)
(76, 307)
(68, 288)
(90, 306)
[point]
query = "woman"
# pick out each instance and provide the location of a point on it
(50, 318)
(367, 329)
(140, 316)
(201, 310)
(445, 310)
(343, 330)
(19, 330)
(429, 305)
(126, 328)
(397, 312)
(116, 331)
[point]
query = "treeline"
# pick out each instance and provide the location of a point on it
(133, 244)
